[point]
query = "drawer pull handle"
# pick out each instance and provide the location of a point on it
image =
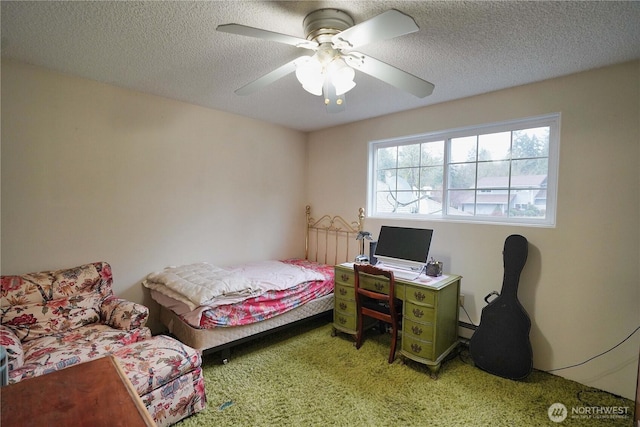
(343, 306)
(416, 330)
(342, 320)
(416, 348)
(379, 286)
(417, 312)
(345, 277)
(419, 296)
(343, 291)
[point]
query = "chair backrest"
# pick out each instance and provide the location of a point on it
(40, 304)
(375, 283)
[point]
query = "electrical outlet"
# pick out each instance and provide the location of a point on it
(461, 300)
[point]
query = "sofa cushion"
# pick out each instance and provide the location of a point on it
(58, 351)
(33, 321)
(120, 313)
(50, 285)
(40, 304)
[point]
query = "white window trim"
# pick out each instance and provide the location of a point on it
(551, 120)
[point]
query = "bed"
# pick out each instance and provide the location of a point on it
(213, 308)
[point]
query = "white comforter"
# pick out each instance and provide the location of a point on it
(203, 284)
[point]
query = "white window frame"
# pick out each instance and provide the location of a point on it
(550, 120)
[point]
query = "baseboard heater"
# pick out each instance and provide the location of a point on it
(466, 330)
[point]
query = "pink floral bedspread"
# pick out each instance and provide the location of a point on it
(271, 303)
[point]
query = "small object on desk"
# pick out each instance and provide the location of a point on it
(434, 268)
(362, 259)
(362, 236)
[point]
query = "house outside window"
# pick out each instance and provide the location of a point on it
(497, 173)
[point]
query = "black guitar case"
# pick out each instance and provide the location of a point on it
(500, 345)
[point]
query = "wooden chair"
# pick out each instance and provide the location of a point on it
(379, 303)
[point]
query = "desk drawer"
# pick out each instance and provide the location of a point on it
(344, 320)
(423, 331)
(345, 277)
(420, 295)
(344, 292)
(345, 306)
(418, 313)
(375, 284)
(417, 347)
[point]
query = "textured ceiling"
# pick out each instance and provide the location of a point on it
(172, 49)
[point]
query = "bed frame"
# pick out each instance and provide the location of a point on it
(330, 239)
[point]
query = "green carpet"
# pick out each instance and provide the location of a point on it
(306, 377)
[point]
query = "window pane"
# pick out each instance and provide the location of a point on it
(432, 153)
(431, 178)
(407, 202)
(385, 196)
(430, 202)
(408, 155)
(408, 179)
(530, 167)
(461, 202)
(493, 174)
(463, 149)
(530, 203)
(430, 190)
(494, 146)
(384, 202)
(462, 175)
(396, 195)
(492, 202)
(387, 157)
(531, 142)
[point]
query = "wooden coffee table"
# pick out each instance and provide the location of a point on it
(95, 393)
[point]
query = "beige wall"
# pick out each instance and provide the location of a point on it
(581, 283)
(92, 172)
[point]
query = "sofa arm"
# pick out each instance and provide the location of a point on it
(13, 346)
(122, 314)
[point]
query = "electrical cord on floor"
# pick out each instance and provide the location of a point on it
(465, 357)
(468, 317)
(597, 355)
(595, 393)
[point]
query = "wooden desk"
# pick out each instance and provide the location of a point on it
(429, 314)
(95, 393)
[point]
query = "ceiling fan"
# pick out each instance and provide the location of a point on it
(333, 35)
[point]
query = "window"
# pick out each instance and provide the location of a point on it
(498, 173)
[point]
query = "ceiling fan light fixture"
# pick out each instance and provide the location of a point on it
(310, 75)
(341, 76)
(333, 35)
(314, 88)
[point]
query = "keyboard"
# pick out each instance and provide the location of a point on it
(405, 274)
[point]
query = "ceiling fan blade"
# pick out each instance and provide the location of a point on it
(270, 77)
(243, 30)
(387, 25)
(389, 74)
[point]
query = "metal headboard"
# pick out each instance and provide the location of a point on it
(327, 233)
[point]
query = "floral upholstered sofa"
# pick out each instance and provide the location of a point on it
(55, 319)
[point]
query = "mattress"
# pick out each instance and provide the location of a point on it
(212, 328)
(212, 339)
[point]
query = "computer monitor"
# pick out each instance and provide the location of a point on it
(403, 247)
